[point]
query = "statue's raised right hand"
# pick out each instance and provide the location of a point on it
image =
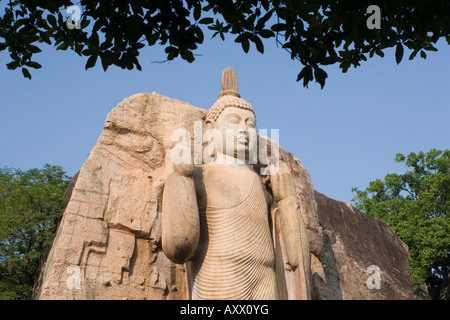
(182, 154)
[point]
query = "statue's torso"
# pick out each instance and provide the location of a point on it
(235, 257)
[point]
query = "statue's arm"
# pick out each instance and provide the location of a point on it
(180, 217)
(290, 228)
(291, 225)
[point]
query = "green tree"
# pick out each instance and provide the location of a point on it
(316, 33)
(30, 205)
(416, 205)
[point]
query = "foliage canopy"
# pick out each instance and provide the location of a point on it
(316, 33)
(416, 205)
(31, 202)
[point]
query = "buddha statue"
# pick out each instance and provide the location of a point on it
(239, 232)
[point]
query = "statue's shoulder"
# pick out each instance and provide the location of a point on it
(226, 173)
(217, 183)
(199, 184)
(203, 170)
(202, 173)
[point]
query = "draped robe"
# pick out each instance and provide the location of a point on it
(241, 253)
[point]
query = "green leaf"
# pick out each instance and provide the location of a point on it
(197, 12)
(52, 20)
(188, 56)
(206, 21)
(399, 53)
(413, 54)
(306, 74)
(93, 40)
(91, 61)
(245, 45)
(258, 43)
(423, 54)
(379, 52)
(430, 47)
(34, 49)
(242, 37)
(85, 23)
(137, 7)
(78, 48)
(172, 52)
(199, 34)
(105, 62)
(138, 45)
(12, 65)
(152, 39)
(26, 73)
(399, 158)
(266, 33)
(33, 64)
(251, 19)
(279, 27)
(320, 76)
(301, 74)
(62, 46)
(138, 66)
(45, 38)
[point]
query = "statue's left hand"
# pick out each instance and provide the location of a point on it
(283, 189)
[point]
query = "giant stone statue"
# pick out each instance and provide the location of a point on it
(224, 218)
(228, 224)
(138, 224)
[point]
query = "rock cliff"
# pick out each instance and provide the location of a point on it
(108, 244)
(362, 257)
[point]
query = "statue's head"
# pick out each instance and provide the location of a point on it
(231, 115)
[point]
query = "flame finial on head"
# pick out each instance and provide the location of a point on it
(229, 97)
(229, 83)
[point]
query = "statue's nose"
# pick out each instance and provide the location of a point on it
(243, 128)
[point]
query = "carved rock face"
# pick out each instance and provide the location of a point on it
(110, 234)
(111, 226)
(364, 259)
(108, 244)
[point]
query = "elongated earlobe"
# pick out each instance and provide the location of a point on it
(212, 153)
(209, 144)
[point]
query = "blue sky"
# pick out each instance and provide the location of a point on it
(345, 135)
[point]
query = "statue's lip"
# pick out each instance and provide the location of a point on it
(242, 138)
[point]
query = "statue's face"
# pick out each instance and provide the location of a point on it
(241, 124)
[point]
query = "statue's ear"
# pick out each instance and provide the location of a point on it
(208, 144)
(209, 125)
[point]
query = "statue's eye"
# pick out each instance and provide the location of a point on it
(233, 120)
(251, 124)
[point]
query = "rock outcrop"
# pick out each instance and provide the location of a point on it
(108, 244)
(362, 257)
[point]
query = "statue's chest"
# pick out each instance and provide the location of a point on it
(228, 187)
